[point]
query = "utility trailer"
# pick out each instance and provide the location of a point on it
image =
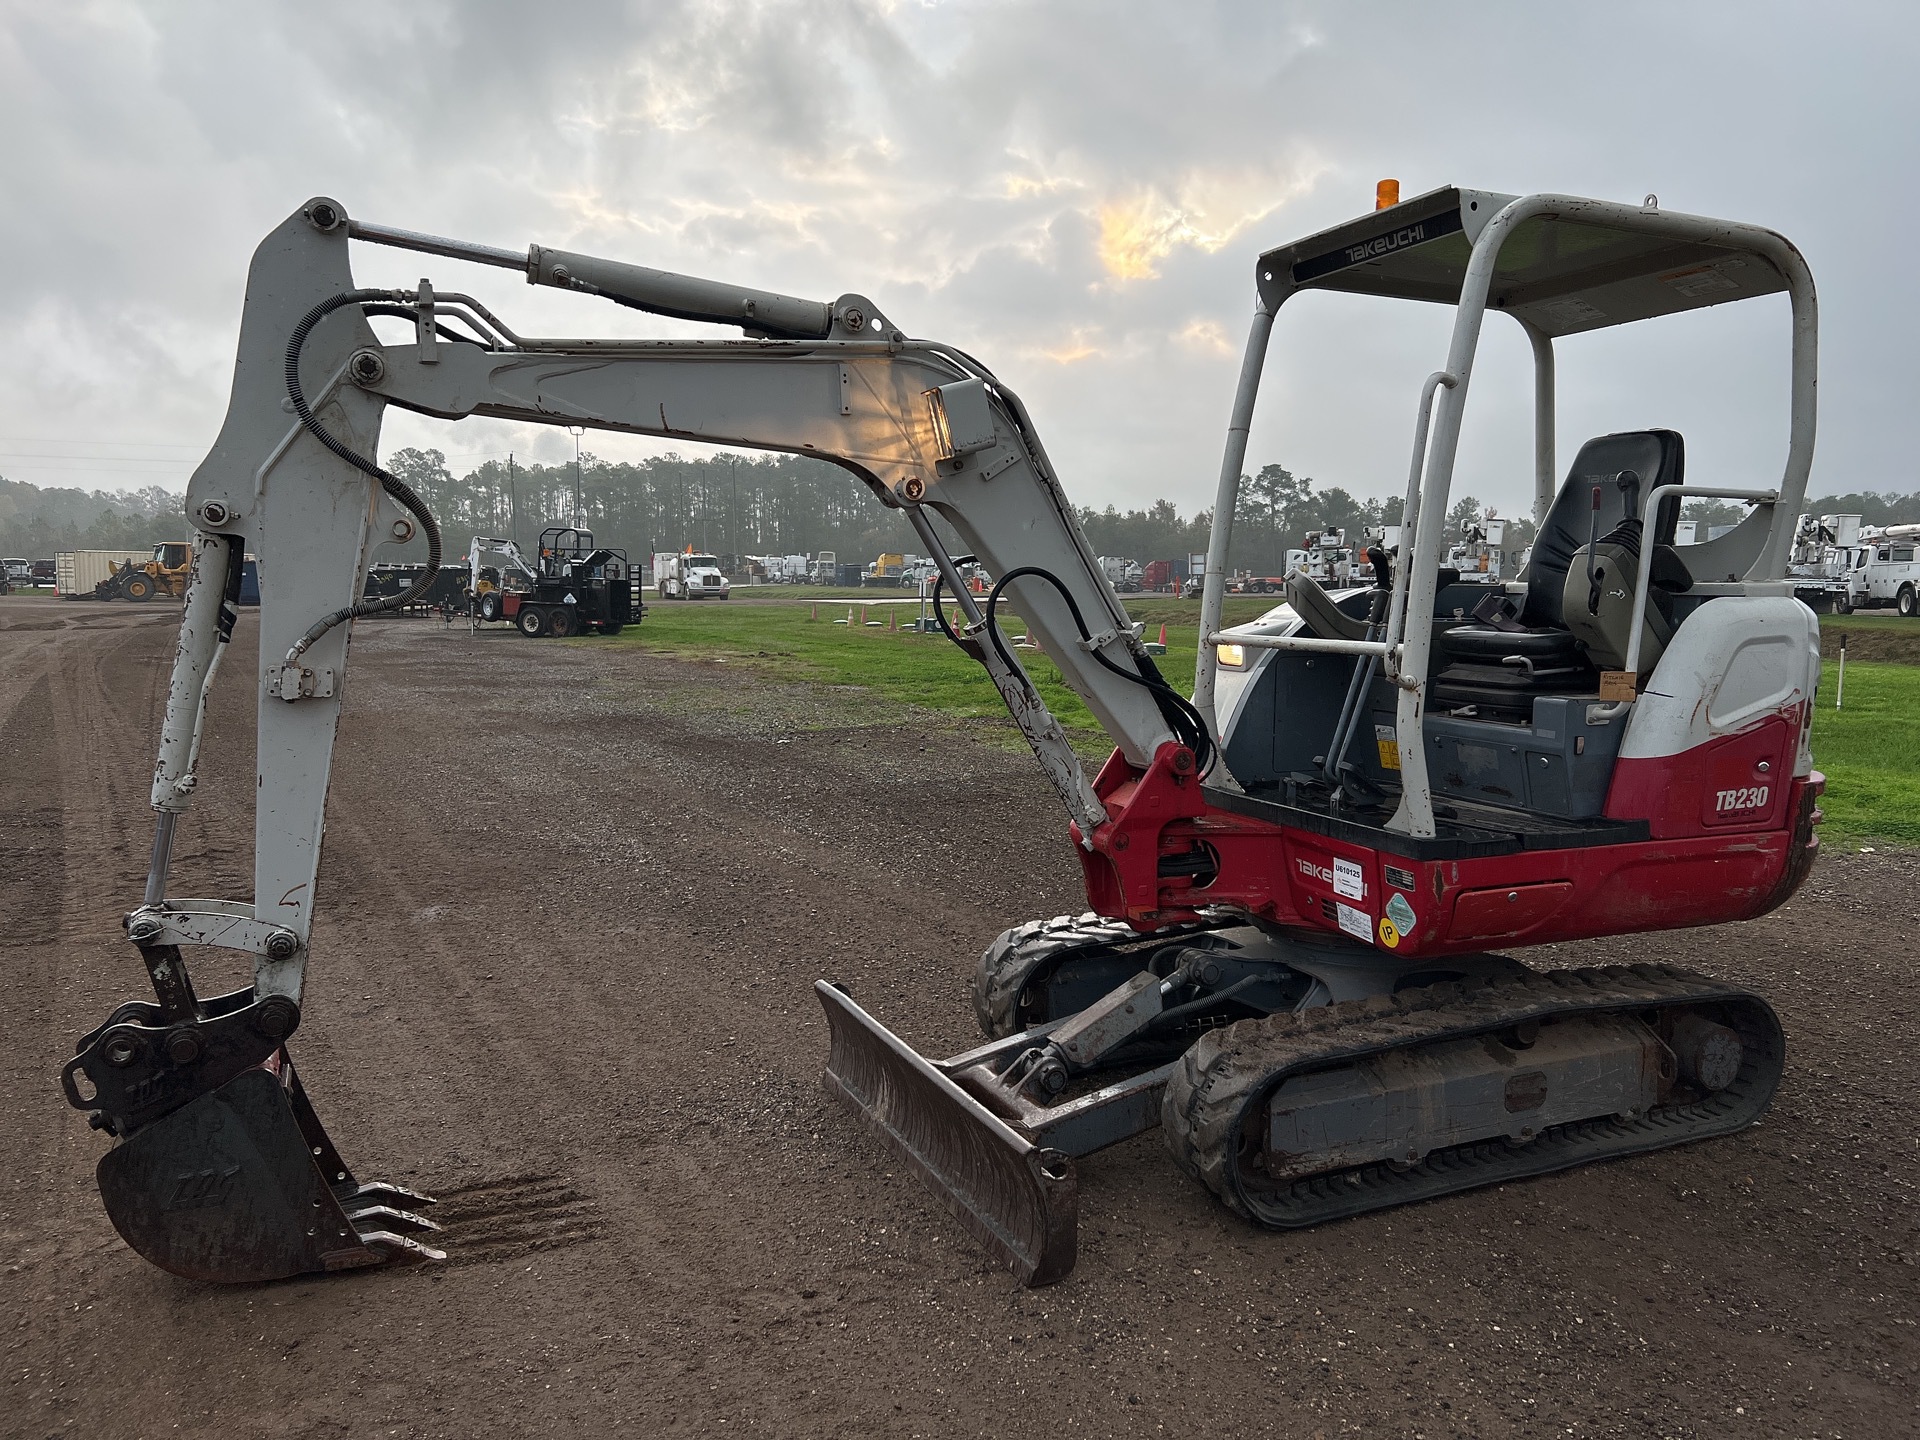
(574, 588)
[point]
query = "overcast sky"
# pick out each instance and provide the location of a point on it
(1074, 192)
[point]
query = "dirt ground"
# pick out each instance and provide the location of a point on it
(572, 905)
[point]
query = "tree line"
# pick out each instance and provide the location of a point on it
(36, 522)
(737, 505)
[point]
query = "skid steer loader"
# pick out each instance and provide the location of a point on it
(1298, 878)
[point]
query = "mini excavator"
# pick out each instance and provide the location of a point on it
(1299, 878)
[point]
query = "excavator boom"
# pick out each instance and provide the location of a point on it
(222, 1170)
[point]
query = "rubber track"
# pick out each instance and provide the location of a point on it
(1223, 1082)
(1009, 964)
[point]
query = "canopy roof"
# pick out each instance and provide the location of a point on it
(1576, 267)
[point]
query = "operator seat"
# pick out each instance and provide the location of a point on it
(1501, 662)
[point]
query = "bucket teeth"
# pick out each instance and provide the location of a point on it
(378, 1192)
(400, 1220)
(399, 1247)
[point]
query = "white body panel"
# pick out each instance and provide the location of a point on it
(1733, 662)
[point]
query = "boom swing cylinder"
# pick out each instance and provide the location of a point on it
(1285, 961)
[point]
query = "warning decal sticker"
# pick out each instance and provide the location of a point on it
(1401, 913)
(1388, 740)
(1356, 923)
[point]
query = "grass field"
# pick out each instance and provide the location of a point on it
(1870, 751)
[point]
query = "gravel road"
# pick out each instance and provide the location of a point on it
(573, 901)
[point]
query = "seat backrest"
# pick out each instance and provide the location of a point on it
(1658, 457)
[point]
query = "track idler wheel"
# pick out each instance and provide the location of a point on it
(242, 1184)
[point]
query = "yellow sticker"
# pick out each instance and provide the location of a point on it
(1388, 739)
(1389, 934)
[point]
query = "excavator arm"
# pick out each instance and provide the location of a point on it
(222, 1170)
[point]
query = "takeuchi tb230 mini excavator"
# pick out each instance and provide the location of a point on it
(1297, 877)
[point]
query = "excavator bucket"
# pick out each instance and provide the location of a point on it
(242, 1184)
(1021, 1200)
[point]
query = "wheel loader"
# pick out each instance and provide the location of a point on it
(165, 574)
(1303, 878)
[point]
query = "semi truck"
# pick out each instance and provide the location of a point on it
(685, 575)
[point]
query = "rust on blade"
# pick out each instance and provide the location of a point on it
(1021, 1200)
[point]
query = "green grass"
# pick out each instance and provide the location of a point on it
(925, 670)
(1869, 751)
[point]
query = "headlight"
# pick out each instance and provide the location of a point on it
(1231, 657)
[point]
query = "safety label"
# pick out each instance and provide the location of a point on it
(1401, 913)
(1356, 923)
(1349, 879)
(1388, 740)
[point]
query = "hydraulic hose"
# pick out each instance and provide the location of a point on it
(408, 312)
(392, 484)
(938, 581)
(1178, 711)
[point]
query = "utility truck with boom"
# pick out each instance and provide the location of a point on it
(1299, 878)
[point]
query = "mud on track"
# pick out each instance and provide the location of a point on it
(572, 906)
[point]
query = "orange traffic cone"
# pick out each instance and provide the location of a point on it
(1163, 634)
(816, 613)
(893, 617)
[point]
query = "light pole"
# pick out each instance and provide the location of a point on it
(579, 495)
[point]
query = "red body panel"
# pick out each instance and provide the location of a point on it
(1733, 783)
(1725, 867)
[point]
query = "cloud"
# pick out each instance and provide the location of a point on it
(1074, 191)
(1209, 337)
(1206, 211)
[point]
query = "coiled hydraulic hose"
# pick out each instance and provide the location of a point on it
(938, 580)
(392, 484)
(1178, 711)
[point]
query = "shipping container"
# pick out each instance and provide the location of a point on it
(77, 573)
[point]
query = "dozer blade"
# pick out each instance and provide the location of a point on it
(1021, 1200)
(242, 1184)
